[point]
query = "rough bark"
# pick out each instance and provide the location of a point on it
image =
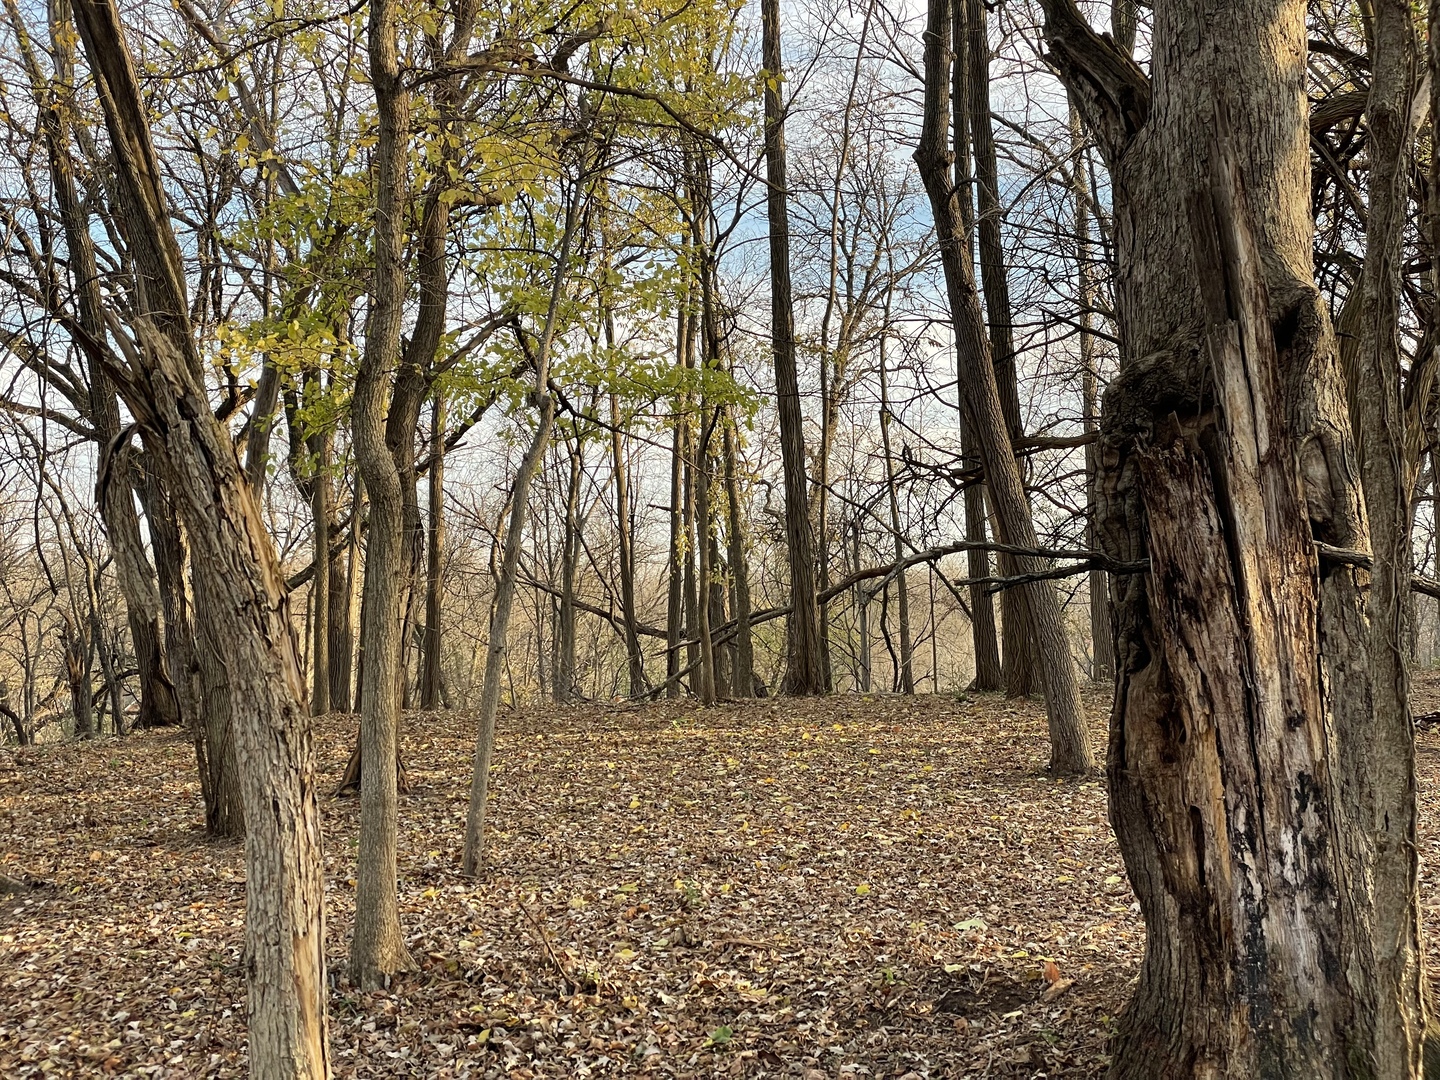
(1069, 741)
(1261, 757)
(377, 947)
(805, 667)
(116, 500)
(233, 555)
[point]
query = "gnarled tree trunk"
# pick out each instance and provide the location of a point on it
(248, 620)
(1261, 758)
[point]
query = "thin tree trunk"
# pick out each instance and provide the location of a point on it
(863, 599)
(634, 657)
(709, 689)
(720, 652)
(1102, 640)
(342, 615)
(675, 625)
(563, 672)
(805, 668)
(743, 681)
(1070, 751)
(906, 681)
(434, 560)
(344, 689)
(320, 579)
(473, 855)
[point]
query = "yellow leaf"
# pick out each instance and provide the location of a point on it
(862, 889)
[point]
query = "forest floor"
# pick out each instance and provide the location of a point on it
(856, 886)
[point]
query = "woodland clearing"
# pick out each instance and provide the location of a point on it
(846, 886)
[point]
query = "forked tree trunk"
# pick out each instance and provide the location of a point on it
(1261, 755)
(1070, 751)
(805, 664)
(116, 502)
(249, 620)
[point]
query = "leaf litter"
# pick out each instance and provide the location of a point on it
(841, 887)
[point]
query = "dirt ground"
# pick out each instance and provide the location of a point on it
(848, 887)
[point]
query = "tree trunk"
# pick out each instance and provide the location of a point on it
(805, 667)
(1102, 640)
(743, 678)
(249, 619)
(434, 561)
(1261, 755)
(635, 658)
(377, 948)
(320, 580)
(863, 597)
(676, 626)
(905, 684)
(473, 855)
(709, 688)
(224, 809)
(341, 619)
(1069, 741)
(563, 672)
(116, 499)
(1019, 656)
(989, 673)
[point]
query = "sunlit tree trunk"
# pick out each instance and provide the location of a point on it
(1261, 753)
(377, 946)
(247, 619)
